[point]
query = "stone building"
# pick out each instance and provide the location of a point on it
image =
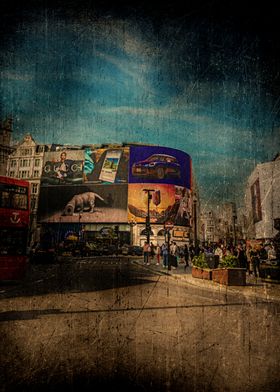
(26, 162)
(262, 200)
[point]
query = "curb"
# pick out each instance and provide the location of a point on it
(251, 290)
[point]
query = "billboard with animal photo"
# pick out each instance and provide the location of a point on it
(168, 203)
(83, 204)
(162, 165)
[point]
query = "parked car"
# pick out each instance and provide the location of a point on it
(135, 250)
(158, 166)
(132, 250)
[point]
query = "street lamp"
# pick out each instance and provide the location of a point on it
(234, 218)
(195, 220)
(148, 224)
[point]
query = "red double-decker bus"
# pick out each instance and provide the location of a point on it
(14, 227)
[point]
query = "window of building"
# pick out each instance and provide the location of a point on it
(37, 162)
(143, 232)
(34, 188)
(36, 173)
(25, 162)
(40, 149)
(12, 173)
(24, 174)
(13, 163)
(26, 151)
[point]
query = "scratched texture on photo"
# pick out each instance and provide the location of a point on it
(201, 77)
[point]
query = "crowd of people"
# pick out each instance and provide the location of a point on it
(248, 256)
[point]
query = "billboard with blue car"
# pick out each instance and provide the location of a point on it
(161, 165)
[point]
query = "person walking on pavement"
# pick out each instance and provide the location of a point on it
(146, 253)
(164, 250)
(186, 255)
(152, 251)
(158, 253)
(249, 261)
(255, 258)
(174, 254)
(241, 255)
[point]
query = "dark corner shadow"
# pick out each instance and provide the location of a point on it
(63, 278)
(26, 314)
(35, 314)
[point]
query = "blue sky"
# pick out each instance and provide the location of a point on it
(184, 82)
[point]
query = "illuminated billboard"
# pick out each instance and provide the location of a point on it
(98, 185)
(169, 203)
(83, 203)
(106, 165)
(161, 165)
(63, 167)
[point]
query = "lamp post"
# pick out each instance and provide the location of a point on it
(195, 221)
(148, 224)
(234, 218)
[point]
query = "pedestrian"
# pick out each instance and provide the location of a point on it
(255, 259)
(158, 253)
(146, 252)
(186, 256)
(219, 252)
(152, 251)
(191, 251)
(164, 251)
(249, 262)
(174, 255)
(241, 255)
(271, 253)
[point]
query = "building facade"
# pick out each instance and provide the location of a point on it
(262, 200)
(26, 162)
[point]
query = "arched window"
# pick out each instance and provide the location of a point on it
(161, 233)
(143, 232)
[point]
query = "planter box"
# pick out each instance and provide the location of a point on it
(270, 273)
(230, 276)
(201, 273)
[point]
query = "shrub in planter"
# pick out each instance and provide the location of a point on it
(229, 273)
(200, 268)
(229, 261)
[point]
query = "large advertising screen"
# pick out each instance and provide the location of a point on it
(99, 166)
(163, 165)
(83, 203)
(63, 167)
(168, 203)
(108, 165)
(107, 185)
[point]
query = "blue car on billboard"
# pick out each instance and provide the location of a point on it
(158, 166)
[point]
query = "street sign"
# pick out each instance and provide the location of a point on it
(168, 225)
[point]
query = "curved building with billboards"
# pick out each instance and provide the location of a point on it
(127, 188)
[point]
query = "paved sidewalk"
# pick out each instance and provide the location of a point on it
(255, 287)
